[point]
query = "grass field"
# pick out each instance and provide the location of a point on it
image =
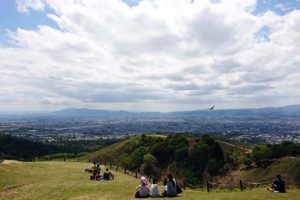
(59, 180)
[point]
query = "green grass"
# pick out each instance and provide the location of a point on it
(110, 153)
(59, 180)
(288, 167)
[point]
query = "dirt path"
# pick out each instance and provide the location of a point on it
(10, 161)
(247, 150)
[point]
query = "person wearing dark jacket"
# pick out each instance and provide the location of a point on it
(170, 187)
(107, 175)
(278, 185)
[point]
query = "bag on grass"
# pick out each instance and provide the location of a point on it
(178, 189)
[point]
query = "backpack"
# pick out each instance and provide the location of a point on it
(178, 189)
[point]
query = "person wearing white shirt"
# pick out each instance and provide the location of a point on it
(154, 189)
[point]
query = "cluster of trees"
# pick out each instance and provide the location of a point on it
(21, 149)
(192, 158)
(77, 146)
(263, 155)
(183, 155)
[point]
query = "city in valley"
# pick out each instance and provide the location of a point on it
(272, 127)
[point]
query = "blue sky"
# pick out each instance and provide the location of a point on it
(11, 19)
(275, 5)
(160, 56)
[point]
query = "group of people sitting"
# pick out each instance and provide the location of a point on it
(170, 188)
(95, 173)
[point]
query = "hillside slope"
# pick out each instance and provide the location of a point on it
(113, 152)
(67, 180)
(288, 167)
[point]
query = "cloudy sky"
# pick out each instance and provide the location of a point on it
(149, 55)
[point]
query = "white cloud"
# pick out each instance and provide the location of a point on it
(26, 5)
(159, 55)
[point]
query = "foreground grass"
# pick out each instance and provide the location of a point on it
(59, 180)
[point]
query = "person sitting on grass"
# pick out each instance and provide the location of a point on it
(142, 191)
(92, 168)
(277, 185)
(98, 177)
(107, 175)
(170, 187)
(97, 169)
(154, 189)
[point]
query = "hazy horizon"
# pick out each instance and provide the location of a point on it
(148, 55)
(136, 111)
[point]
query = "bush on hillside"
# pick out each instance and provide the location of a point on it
(1, 157)
(247, 161)
(262, 154)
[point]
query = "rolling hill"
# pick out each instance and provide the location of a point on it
(288, 167)
(113, 152)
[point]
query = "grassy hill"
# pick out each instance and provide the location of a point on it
(67, 180)
(288, 167)
(113, 152)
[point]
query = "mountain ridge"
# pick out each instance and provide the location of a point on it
(290, 110)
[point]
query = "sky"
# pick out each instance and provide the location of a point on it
(148, 55)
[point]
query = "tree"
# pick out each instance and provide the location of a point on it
(216, 152)
(149, 164)
(161, 152)
(144, 138)
(125, 161)
(136, 158)
(1, 157)
(246, 161)
(181, 154)
(198, 157)
(149, 159)
(213, 167)
(261, 154)
(207, 139)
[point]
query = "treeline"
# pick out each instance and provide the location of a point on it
(184, 155)
(262, 154)
(21, 149)
(270, 151)
(79, 146)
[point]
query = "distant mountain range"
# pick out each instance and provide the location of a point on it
(291, 110)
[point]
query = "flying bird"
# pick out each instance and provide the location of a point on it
(212, 108)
